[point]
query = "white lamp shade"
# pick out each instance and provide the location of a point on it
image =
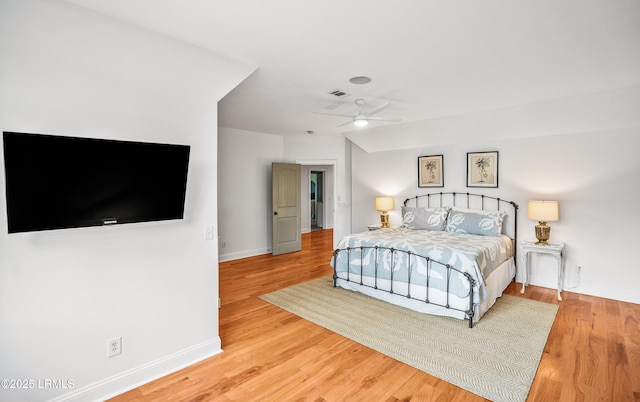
(384, 203)
(543, 211)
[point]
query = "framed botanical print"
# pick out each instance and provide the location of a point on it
(482, 169)
(430, 171)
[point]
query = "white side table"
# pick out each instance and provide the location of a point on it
(554, 249)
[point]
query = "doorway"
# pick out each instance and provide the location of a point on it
(316, 187)
(330, 217)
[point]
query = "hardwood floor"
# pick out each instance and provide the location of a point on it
(592, 354)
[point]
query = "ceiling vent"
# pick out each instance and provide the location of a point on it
(338, 93)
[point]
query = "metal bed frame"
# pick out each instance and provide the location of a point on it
(451, 199)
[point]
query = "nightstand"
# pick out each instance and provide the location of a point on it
(554, 249)
(374, 227)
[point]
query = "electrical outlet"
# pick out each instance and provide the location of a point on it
(579, 269)
(115, 346)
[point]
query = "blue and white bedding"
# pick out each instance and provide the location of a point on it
(477, 255)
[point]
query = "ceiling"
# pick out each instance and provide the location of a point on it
(427, 58)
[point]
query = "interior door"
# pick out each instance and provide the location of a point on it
(286, 214)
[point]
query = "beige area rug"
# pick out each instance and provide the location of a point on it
(496, 359)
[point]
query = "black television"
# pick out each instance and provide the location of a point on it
(60, 182)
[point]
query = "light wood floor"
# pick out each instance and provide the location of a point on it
(592, 354)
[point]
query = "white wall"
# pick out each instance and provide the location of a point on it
(244, 188)
(593, 175)
(244, 191)
(64, 293)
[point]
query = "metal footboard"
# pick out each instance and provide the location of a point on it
(343, 255)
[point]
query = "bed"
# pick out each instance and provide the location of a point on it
(453, 255)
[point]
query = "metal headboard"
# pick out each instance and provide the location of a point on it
(474, 201)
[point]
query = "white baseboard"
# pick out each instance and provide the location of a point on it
(130, 379)
(222, 257)
(242, 254)
(308, 230)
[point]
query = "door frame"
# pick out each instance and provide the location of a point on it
(334, 202)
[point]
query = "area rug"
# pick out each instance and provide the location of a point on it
(497, 359)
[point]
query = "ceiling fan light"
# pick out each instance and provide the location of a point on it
(360, 121)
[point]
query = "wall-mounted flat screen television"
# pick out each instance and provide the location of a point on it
(59, 182)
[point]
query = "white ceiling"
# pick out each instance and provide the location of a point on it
(429, 58)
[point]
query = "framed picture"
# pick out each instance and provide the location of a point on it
(430, 171)
(482, 169)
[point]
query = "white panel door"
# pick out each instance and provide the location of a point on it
(285, 181)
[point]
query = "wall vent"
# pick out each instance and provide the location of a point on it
(338, 93)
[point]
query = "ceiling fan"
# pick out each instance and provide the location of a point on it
(361, 118)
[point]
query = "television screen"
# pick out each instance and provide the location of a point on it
(57, 182)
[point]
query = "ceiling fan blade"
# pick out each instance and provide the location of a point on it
(334, 114)
(379, 108)
(345, 124)
(384, 119)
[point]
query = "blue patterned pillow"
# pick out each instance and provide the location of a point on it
(424, 218)
(485, 223)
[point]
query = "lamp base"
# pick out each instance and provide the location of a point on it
(542, 232)
(384, 219)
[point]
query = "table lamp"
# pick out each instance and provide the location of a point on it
(543, 212)
(384, 204)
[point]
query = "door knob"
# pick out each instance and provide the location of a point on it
(275, 213)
